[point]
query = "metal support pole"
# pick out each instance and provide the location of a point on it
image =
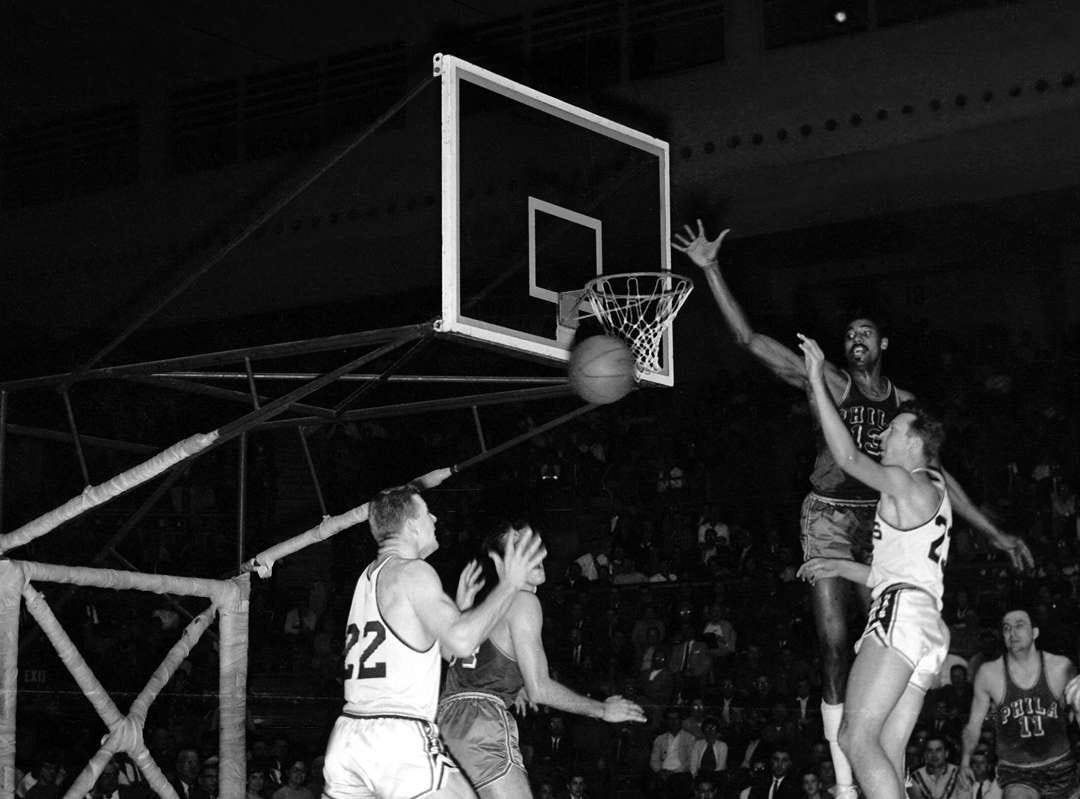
(3, 451)
(75, 436)
(241, 500)
(479, 428)
(311, 470)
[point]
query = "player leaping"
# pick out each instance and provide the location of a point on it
(838, 513)
(905, 640)
(480, 689)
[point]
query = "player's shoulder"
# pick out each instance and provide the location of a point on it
(411, 572)
(991, 674)
(902, 394)
(526, 604)
(1058, 666)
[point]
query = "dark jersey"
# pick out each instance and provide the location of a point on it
(865, 419)
(1032, 728)
(488, 670)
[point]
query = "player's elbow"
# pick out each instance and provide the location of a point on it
(458, 643)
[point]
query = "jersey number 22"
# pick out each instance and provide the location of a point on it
(352, 638)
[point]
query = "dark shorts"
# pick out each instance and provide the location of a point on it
(1054, 780)
(481, 735)
(834, 529)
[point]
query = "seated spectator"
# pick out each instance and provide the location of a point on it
(985, 784)
(811, 786)
(719, 633)
(256, 780)
(779, 783)
(208, 777)
(576, 787)
(656, 687)
(650, 620)
(730, 707)
(708, 756)
(45, 772)
(670, 758)
(691, 660)
(696, 717)
(295, 786)
(938, 779)
(706, 787)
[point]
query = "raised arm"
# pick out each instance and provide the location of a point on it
(1013, 546)
(460, 633)
(848, 457)
(525, 620)
(980, 706)
(780, 360)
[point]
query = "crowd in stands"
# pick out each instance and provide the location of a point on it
(677, 588)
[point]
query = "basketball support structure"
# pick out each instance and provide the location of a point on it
(227, 599)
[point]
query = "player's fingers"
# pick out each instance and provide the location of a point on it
(700, 228)
(720, 238)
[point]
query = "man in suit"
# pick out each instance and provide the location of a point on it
(780, 784)
(805, 710)
(656, 687)
(690, 659)
(186, 779)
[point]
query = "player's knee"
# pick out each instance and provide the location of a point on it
(850, 739)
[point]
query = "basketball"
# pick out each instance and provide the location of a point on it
(602, 369)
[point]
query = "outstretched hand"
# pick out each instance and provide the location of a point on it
(813, 356)
(469, 583)
(521, 556)
(697, 245)
(1017, 549)
(617, 710)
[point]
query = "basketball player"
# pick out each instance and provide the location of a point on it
(1027, 686)
(838, 513)
(480, 688)
(385, 743)
(905, 640)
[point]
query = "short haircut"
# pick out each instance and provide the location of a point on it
(927, 425)
(500, 532)
(867, 310)
(1018, 607)
(390, 509)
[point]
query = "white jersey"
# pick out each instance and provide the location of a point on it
(913, 557)
(384, 676)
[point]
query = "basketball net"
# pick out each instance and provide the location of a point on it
(638, 307)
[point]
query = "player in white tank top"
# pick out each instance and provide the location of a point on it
(916, 556)
(905, 638)
(385, 744)
(384, 675)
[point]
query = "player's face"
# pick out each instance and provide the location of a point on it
(863, 343)
(424, 522)
(895, 440)
(1017, 631)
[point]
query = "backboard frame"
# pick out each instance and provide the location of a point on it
(453, 71)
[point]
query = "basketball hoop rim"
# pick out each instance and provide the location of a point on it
(679, 283)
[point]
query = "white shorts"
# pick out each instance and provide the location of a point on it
(384, 757)
(907, 620)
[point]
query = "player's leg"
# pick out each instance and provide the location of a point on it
(827, 530)
(898, 727)
(513, 784)
(876, 684)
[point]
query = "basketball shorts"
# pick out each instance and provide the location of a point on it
(833, 529)
(1056, 779)
(388, 757)
(907, 620)
(481, 735)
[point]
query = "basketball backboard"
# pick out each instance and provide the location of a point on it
(539, 197)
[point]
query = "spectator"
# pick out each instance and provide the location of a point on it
(256, 780)
(208, 777)
(670, 759)
(185, 780)
(706, 787)
(778, 783)
(985, 784)
(811, 785)
(938, 779)
(656, 687)
(708, 756)
(295, 782)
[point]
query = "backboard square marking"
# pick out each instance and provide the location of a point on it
(558, 211)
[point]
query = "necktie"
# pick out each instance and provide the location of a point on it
(554, 746)
(978, 791)
(775, 785)
(708, 760)
(577, 655)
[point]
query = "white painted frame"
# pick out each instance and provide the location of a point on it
(452, 71)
